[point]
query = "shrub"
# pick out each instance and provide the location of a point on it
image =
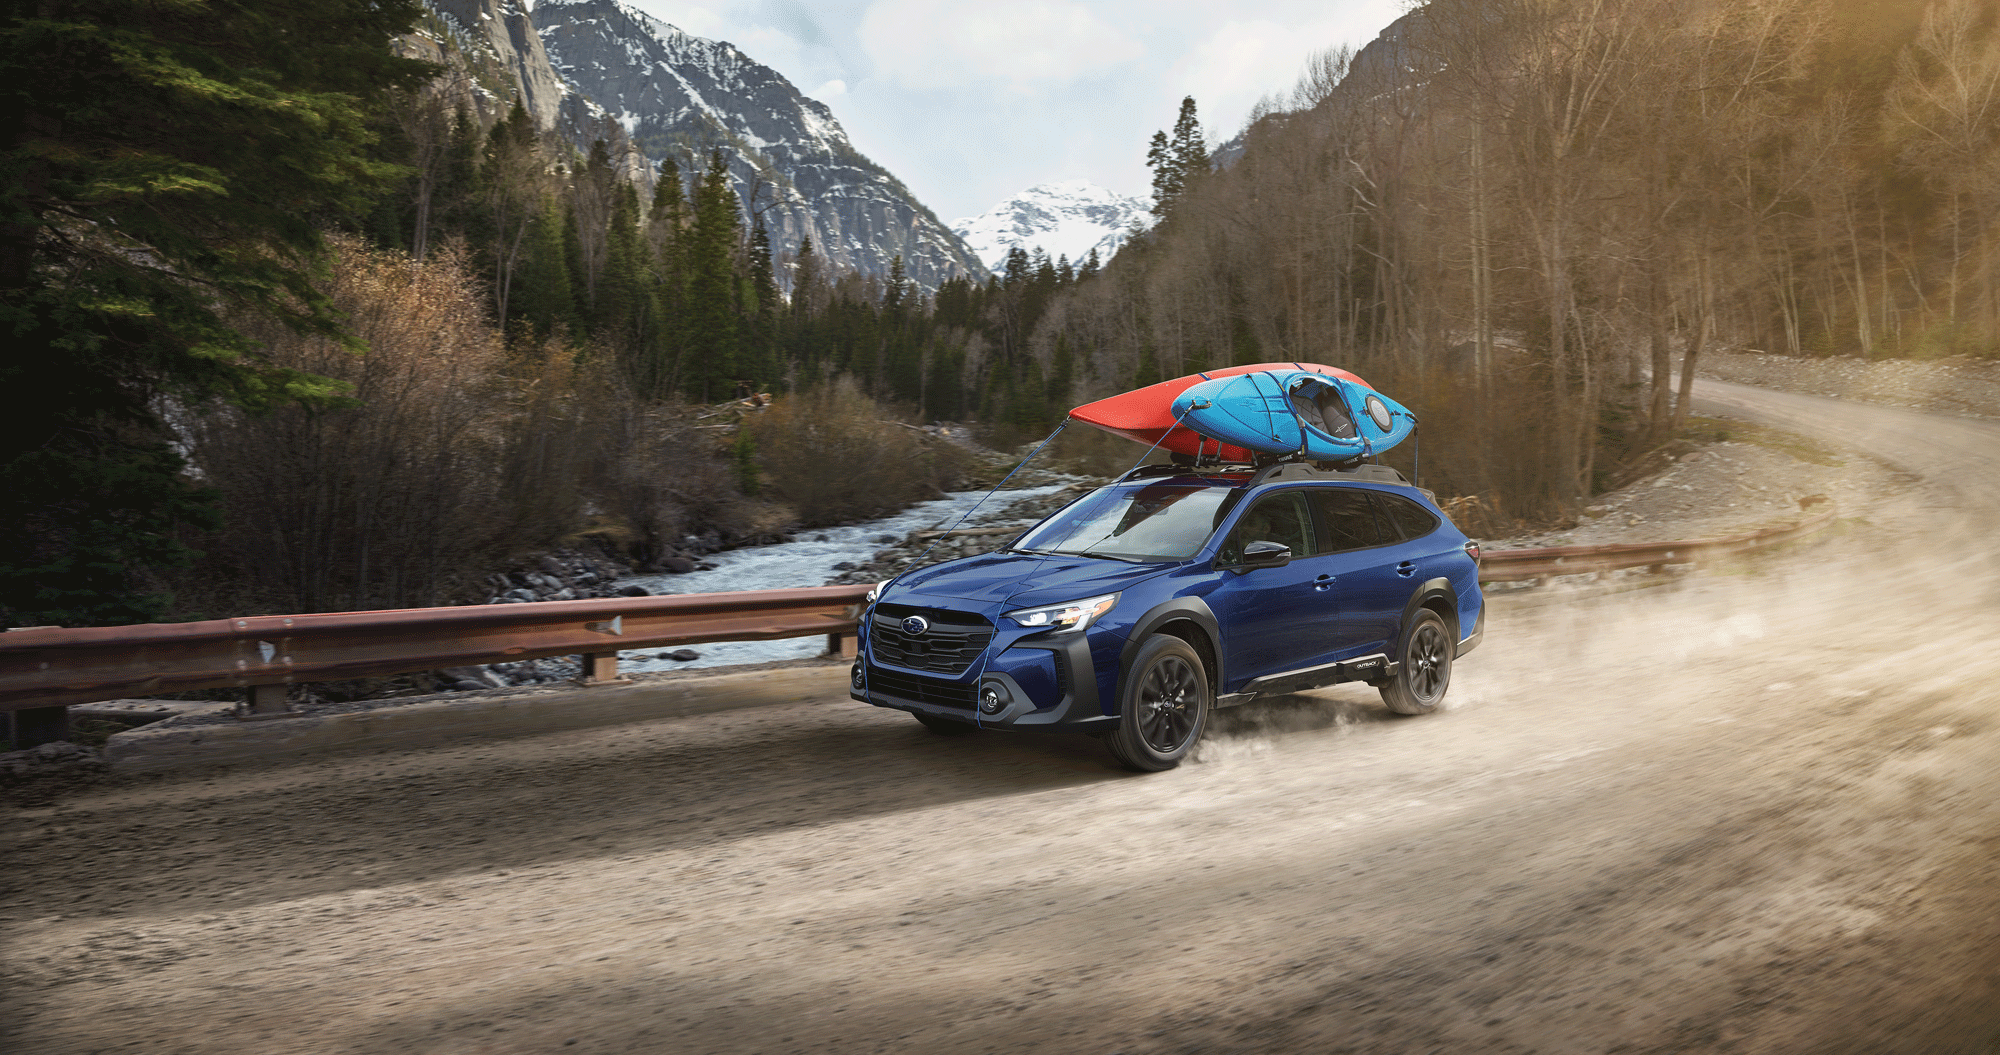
(387, 502)
(833, 455)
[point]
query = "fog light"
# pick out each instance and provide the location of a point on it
(856, 678)
(990, 701)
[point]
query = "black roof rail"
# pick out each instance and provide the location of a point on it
(1303, 470)
(1169, 469)
(1155, 469)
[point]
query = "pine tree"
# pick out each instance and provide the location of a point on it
(659, 358)
(168, 166)
(712, 336)
(806, 278)
(622, 294)
(543, 300)
(1177, 163)
(760, 311)
(1018, 268)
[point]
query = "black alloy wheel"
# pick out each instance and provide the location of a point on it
(1163, 706)
(1424, 666)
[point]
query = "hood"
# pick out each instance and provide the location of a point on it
(1015, 580)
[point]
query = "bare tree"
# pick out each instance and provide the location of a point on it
(1946, 107)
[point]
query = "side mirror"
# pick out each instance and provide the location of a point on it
(1262, 554)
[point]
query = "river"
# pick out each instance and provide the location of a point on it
(808, 561)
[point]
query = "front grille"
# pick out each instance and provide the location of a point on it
(922, 689)
(951, 646)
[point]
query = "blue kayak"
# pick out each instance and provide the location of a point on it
(1295, 412)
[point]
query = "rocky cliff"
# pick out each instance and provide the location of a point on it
(678, 95)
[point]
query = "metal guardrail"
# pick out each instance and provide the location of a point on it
(1522, 565)
(44, 669)
(53, 666)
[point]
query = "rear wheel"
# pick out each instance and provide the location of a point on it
(945, 726)
(1423, 666)
(1163, 706)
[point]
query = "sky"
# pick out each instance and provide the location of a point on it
(969, 102)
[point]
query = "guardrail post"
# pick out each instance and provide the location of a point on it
(265, 702)
(35, 726)
(842, 645)
(600, 668)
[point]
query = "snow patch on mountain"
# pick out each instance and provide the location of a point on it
(1063, 219)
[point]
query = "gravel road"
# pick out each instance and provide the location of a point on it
(1753, 813)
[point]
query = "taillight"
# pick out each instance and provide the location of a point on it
(1472, 549)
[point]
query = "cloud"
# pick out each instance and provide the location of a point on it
(1031, 44)
(829, 91)
(1238, 61)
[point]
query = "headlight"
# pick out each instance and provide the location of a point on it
(1066, 618)
(877, 591)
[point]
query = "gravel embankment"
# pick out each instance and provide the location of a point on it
(1958, 385)
(1757, 478)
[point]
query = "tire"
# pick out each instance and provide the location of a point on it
(945, 726)
(1423, 666)
(1162, 706)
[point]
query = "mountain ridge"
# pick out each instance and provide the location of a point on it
(679, 96)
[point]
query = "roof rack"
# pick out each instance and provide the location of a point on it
(1301, 470)
(1171, 469)
(1290, 469)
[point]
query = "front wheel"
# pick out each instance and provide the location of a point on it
(1423, 666)
(1163, 706)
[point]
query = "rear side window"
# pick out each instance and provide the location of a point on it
(1409, 519)
(1349, 518)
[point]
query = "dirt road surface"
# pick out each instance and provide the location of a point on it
(1759, 812)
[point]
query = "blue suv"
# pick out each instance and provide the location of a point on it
(1133, 611)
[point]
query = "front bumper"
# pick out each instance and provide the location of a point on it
(1021, 681)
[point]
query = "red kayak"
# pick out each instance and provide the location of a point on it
(1146, 414)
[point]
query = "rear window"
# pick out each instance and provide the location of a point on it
(1350, 519)
(1409, 519)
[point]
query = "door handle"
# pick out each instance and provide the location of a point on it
(1406, 569)
(1323, 583)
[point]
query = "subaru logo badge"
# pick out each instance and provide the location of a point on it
(915, 625)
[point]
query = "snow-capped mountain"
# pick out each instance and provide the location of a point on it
(679, 95)
(1069, 218)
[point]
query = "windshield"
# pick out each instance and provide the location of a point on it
(1164, 521)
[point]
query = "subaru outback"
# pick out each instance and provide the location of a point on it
(1134, 611)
